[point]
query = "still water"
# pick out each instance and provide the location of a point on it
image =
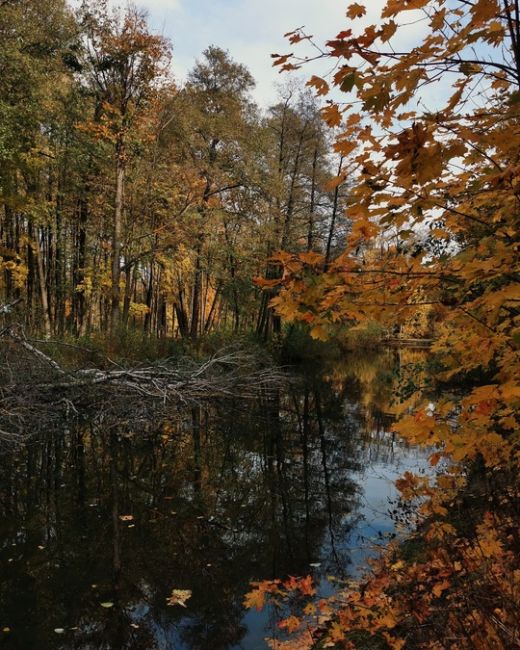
(100, 520)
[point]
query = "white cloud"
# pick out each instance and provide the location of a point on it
(253, 29)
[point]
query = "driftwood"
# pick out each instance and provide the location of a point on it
(35, 388)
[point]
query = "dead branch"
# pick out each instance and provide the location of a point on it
(42, 388)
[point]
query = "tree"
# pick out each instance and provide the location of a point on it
(123, 62)
(301, 205)
(213, 128)
(36, 40)
(435, 214)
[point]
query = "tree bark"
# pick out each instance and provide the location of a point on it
(333, 218)
(116, 237)
(43, 288)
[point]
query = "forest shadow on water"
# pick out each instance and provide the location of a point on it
(100, 521)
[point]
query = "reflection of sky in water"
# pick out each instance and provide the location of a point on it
(377, 483)
(214, 506)
(368, 526)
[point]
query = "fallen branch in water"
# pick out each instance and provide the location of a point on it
(34, 384)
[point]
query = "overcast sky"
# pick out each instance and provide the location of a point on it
(250, 29)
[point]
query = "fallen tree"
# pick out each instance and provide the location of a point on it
(36, 390)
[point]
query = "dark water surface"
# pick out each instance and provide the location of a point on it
(100, 521)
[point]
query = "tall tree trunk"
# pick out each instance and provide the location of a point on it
(43, 287)
(182, 316)
(232, 273)
(197, 277)
(292, 189)
(80, 262)
(312, 207)
(197, 287)
(31, 282)
(130, 281)
(212, 310)
(59, 280)
(335, 205)
(117, 231)
(150, 298)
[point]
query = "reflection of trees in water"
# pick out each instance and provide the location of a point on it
(219, 495)
(369, 382)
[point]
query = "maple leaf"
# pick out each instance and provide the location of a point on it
(336, 633)
(178, 597)
(322, 87)
(356, 10)
(332, 115)
(394, 7)
(331, 184)
(280, 59)
(303, 641)
(344, 147)
(311, 257)
(306, 586)
(255, 598)
(387, 31)
(291, 624)
(484, 10)
(267, 283)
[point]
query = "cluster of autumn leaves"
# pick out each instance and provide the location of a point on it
(435, 210)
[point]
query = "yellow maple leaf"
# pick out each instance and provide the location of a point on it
(178, 597)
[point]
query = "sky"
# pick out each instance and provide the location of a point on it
(250, 29)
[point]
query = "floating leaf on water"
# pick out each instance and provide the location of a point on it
(107, 605)
(126, 517)
(179, 597)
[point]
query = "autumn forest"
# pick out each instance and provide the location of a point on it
(132, 202)
(259, 364)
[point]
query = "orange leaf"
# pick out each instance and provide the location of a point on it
(356, 10)
(322, 87)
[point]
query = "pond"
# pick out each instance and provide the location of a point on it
(101, 520)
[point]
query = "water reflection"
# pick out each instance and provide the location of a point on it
(99, 522)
